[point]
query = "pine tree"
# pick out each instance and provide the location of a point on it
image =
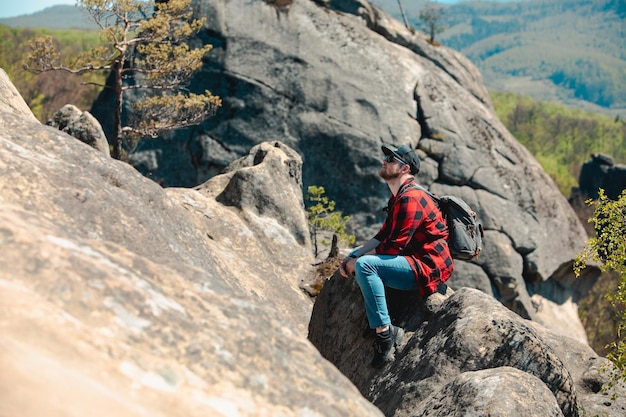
(148, 41)
(432, 15)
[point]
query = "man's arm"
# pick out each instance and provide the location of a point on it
(366, 248)
(346, 269)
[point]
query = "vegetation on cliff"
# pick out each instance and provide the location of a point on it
(47, 93)
(561, 138)
(146, 43)
(323, 217)
(608, 248)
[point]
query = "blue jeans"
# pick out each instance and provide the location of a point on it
(373, 273)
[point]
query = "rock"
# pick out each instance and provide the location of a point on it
(501, 391)
(335, 79)
(467, 341)
(121, 298)
(267, 183)
(82, 125)
(601, 172)
(435, 300)
(11, 100)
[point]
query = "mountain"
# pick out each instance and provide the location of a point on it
(566, 51)
(55, 17)
(322, 80)
(122, 298)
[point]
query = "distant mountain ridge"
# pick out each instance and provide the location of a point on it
(570, 52)
(54, 17)
(565, 51)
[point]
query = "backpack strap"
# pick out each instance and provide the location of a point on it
(432, 196)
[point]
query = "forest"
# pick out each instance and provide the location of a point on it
(566, 51)
(561, 138)
(48, 92)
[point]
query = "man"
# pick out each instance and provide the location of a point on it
(409, 252)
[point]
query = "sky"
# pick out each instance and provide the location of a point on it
(12, 8)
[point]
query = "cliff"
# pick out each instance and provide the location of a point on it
(334, 80)
(121, 298)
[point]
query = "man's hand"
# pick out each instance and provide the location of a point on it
(346, 269)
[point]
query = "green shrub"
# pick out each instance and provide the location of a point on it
(323, 217)
(608, 248)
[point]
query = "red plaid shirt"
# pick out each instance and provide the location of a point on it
(415, 229)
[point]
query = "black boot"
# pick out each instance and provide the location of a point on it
(384, 345)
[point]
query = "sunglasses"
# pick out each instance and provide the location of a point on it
(390, 158)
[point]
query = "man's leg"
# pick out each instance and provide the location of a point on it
(372, 273)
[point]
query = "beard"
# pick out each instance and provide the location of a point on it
(388, 174)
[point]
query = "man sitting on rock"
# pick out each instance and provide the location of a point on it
(409, 252)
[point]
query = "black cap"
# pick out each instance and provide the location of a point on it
(406, 155)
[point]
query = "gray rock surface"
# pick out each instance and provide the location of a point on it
(82, 125)
(602, 172)
(334, 80)
(466, 344)
(121, 298)
(495, 392)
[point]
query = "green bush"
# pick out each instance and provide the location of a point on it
(608, 248)
(323, 217)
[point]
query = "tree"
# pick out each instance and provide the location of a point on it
(608, 248)
(148, 42)
(406, 21)
(323, 217)
(431, 15)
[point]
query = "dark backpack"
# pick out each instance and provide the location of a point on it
(465, 233)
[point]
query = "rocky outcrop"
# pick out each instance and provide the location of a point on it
(462, 355)
(82, 125)
(120, 298)
(11, 101)
(334, 80)
(602, 172)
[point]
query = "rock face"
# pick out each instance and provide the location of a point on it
(334, 80)
(463, 355)
(82, 125)
(120, 298)
(11, 100)
(602, 172)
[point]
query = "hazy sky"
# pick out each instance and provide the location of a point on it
(11, 8)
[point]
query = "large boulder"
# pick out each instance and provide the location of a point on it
(335, 79)
(121, 298)
(601, 172)
(82, 125)
(465, 354)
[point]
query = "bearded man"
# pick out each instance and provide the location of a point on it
(409, 252)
